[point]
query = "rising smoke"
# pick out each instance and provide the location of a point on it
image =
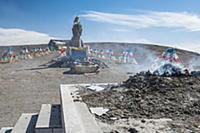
(194, 64)
(144, 60)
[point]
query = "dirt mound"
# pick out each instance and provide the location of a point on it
(148, 96)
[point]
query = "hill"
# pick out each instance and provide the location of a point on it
(150, 50)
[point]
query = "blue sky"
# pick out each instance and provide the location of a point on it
(166, 22)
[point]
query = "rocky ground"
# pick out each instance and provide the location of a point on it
(150, 103)
(24, 86)
(145, 96)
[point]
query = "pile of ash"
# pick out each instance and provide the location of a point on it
(145, 95)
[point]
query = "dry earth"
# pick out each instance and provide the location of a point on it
(24, 86)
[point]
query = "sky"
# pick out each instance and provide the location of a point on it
(173, 23)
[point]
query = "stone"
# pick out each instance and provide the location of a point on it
(77, 32)
(132, 130)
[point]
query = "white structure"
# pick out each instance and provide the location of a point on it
(71, 116)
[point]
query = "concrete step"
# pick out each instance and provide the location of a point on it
(76, 117)
(6, 129)
(49, 119)
(26, 123)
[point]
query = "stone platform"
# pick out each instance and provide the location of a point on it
(71, 116)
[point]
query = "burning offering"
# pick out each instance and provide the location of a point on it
(169, 64)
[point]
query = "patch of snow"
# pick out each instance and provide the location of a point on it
(15, 36)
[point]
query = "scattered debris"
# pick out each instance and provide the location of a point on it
(8, 56)
(11, 55)
(98, 110)
(124, 57)
(135, 125)
(145, 95)
(95, 88)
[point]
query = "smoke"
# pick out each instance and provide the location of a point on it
(145, 59)
(194, 64)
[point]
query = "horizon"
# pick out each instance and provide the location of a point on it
(147, 22)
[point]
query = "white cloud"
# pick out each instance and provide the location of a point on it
(120, 30)
(147, 19)
(14, 36)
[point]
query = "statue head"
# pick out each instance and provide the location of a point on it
(76, 20)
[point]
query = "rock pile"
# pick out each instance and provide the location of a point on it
(148, 96)
(148, 81)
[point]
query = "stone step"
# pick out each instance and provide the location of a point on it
(49, 119)
(26, 123)
(76, 117)
(6, 129)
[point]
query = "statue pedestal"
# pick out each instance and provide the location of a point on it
(76, 42)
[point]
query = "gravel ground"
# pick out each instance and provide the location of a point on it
(146, 96)
(24, 86)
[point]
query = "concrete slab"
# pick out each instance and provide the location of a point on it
(70, 119)
(93, 84)
(44, 116)
(26, 123)
(6, 129)
(88, 121)
(48, 119)
(75, 115)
